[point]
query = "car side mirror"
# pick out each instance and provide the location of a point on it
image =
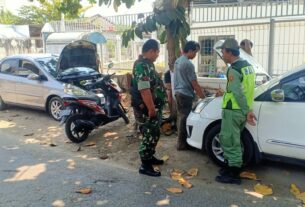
(278, 95)
(33, 77)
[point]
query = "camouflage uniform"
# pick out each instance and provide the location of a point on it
(144, 77)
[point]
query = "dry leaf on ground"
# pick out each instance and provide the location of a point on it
(301, 196)
(28, 135)
(53, 145)
(295, 190)
(263, 189)
(248, 175)
(84, 191)
(185, 183)
(176, 174)
(174, 190)
(90, 144)
(193, 172)
(165, 158)
(104, 157)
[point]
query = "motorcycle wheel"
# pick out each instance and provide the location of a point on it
(122, 114)
(74, 134)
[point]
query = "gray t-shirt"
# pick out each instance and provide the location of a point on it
(184, 74)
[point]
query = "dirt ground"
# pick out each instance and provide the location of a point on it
(115, 142)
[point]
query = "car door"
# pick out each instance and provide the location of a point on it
(281, 127)
(29, 92)
(8, 80)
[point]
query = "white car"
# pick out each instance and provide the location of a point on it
(279, 134)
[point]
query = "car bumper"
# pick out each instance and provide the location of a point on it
(195, 126)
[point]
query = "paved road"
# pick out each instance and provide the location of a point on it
(37, 175)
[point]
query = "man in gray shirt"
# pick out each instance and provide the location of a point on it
(185, 82)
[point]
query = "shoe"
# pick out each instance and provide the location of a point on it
(155, 161)
(223, 171)
(228, 179)
(149, 170)
(229, 175)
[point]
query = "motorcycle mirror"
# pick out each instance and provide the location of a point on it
(110, 65)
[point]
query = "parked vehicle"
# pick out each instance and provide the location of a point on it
(41, 80)
(279, 106)
(83, 114)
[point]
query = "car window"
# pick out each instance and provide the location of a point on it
(49, 65)
(9, 67)
(294, 90)
(26, 68)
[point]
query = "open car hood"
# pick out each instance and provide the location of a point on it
(256, 65)
(78, 54)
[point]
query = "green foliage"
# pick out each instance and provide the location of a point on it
(6, 17)
(174, 20)
(50, 10)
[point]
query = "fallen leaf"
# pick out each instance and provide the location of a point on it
(84, 191)
(248, 175)
(301, 196)
(176, 174)
(79, 149)
(104, 157)
(28, 135)
(174, 190)
(53, 145)
(165, 158)
(263, 189)
(192, 172)
(295, 190)
(90, 144)
(185, 183)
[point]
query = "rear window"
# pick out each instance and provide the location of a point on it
(9, 67)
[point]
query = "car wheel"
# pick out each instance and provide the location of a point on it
(215, 151)
(2, 104)
(55, 105)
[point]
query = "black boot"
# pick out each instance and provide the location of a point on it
(155, 161)
(225, 169)
(230, 176)
(147, 169)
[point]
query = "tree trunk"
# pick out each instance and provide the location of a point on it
(171, 49)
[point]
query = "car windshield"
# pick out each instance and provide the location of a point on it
(49, 64)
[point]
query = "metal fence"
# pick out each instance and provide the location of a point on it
(279, 44)
(18, 46)
(246, 10)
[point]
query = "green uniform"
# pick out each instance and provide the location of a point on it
(146, 77)
(237, 102)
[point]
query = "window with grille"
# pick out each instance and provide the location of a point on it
(209, 61)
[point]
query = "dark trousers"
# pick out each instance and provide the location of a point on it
(184, 107)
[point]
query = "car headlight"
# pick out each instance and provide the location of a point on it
(74, 90)
(201, 104)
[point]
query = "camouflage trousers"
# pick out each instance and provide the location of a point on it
(150, 131)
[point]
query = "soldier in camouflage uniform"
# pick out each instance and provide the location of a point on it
(148, 96)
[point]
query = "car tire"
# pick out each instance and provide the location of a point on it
(55, 105)
(2, 104)
(215, 152)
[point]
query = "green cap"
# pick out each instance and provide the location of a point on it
(229, 44)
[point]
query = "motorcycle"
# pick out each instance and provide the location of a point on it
(84, 114)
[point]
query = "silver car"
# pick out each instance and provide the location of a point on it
(41, 80)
